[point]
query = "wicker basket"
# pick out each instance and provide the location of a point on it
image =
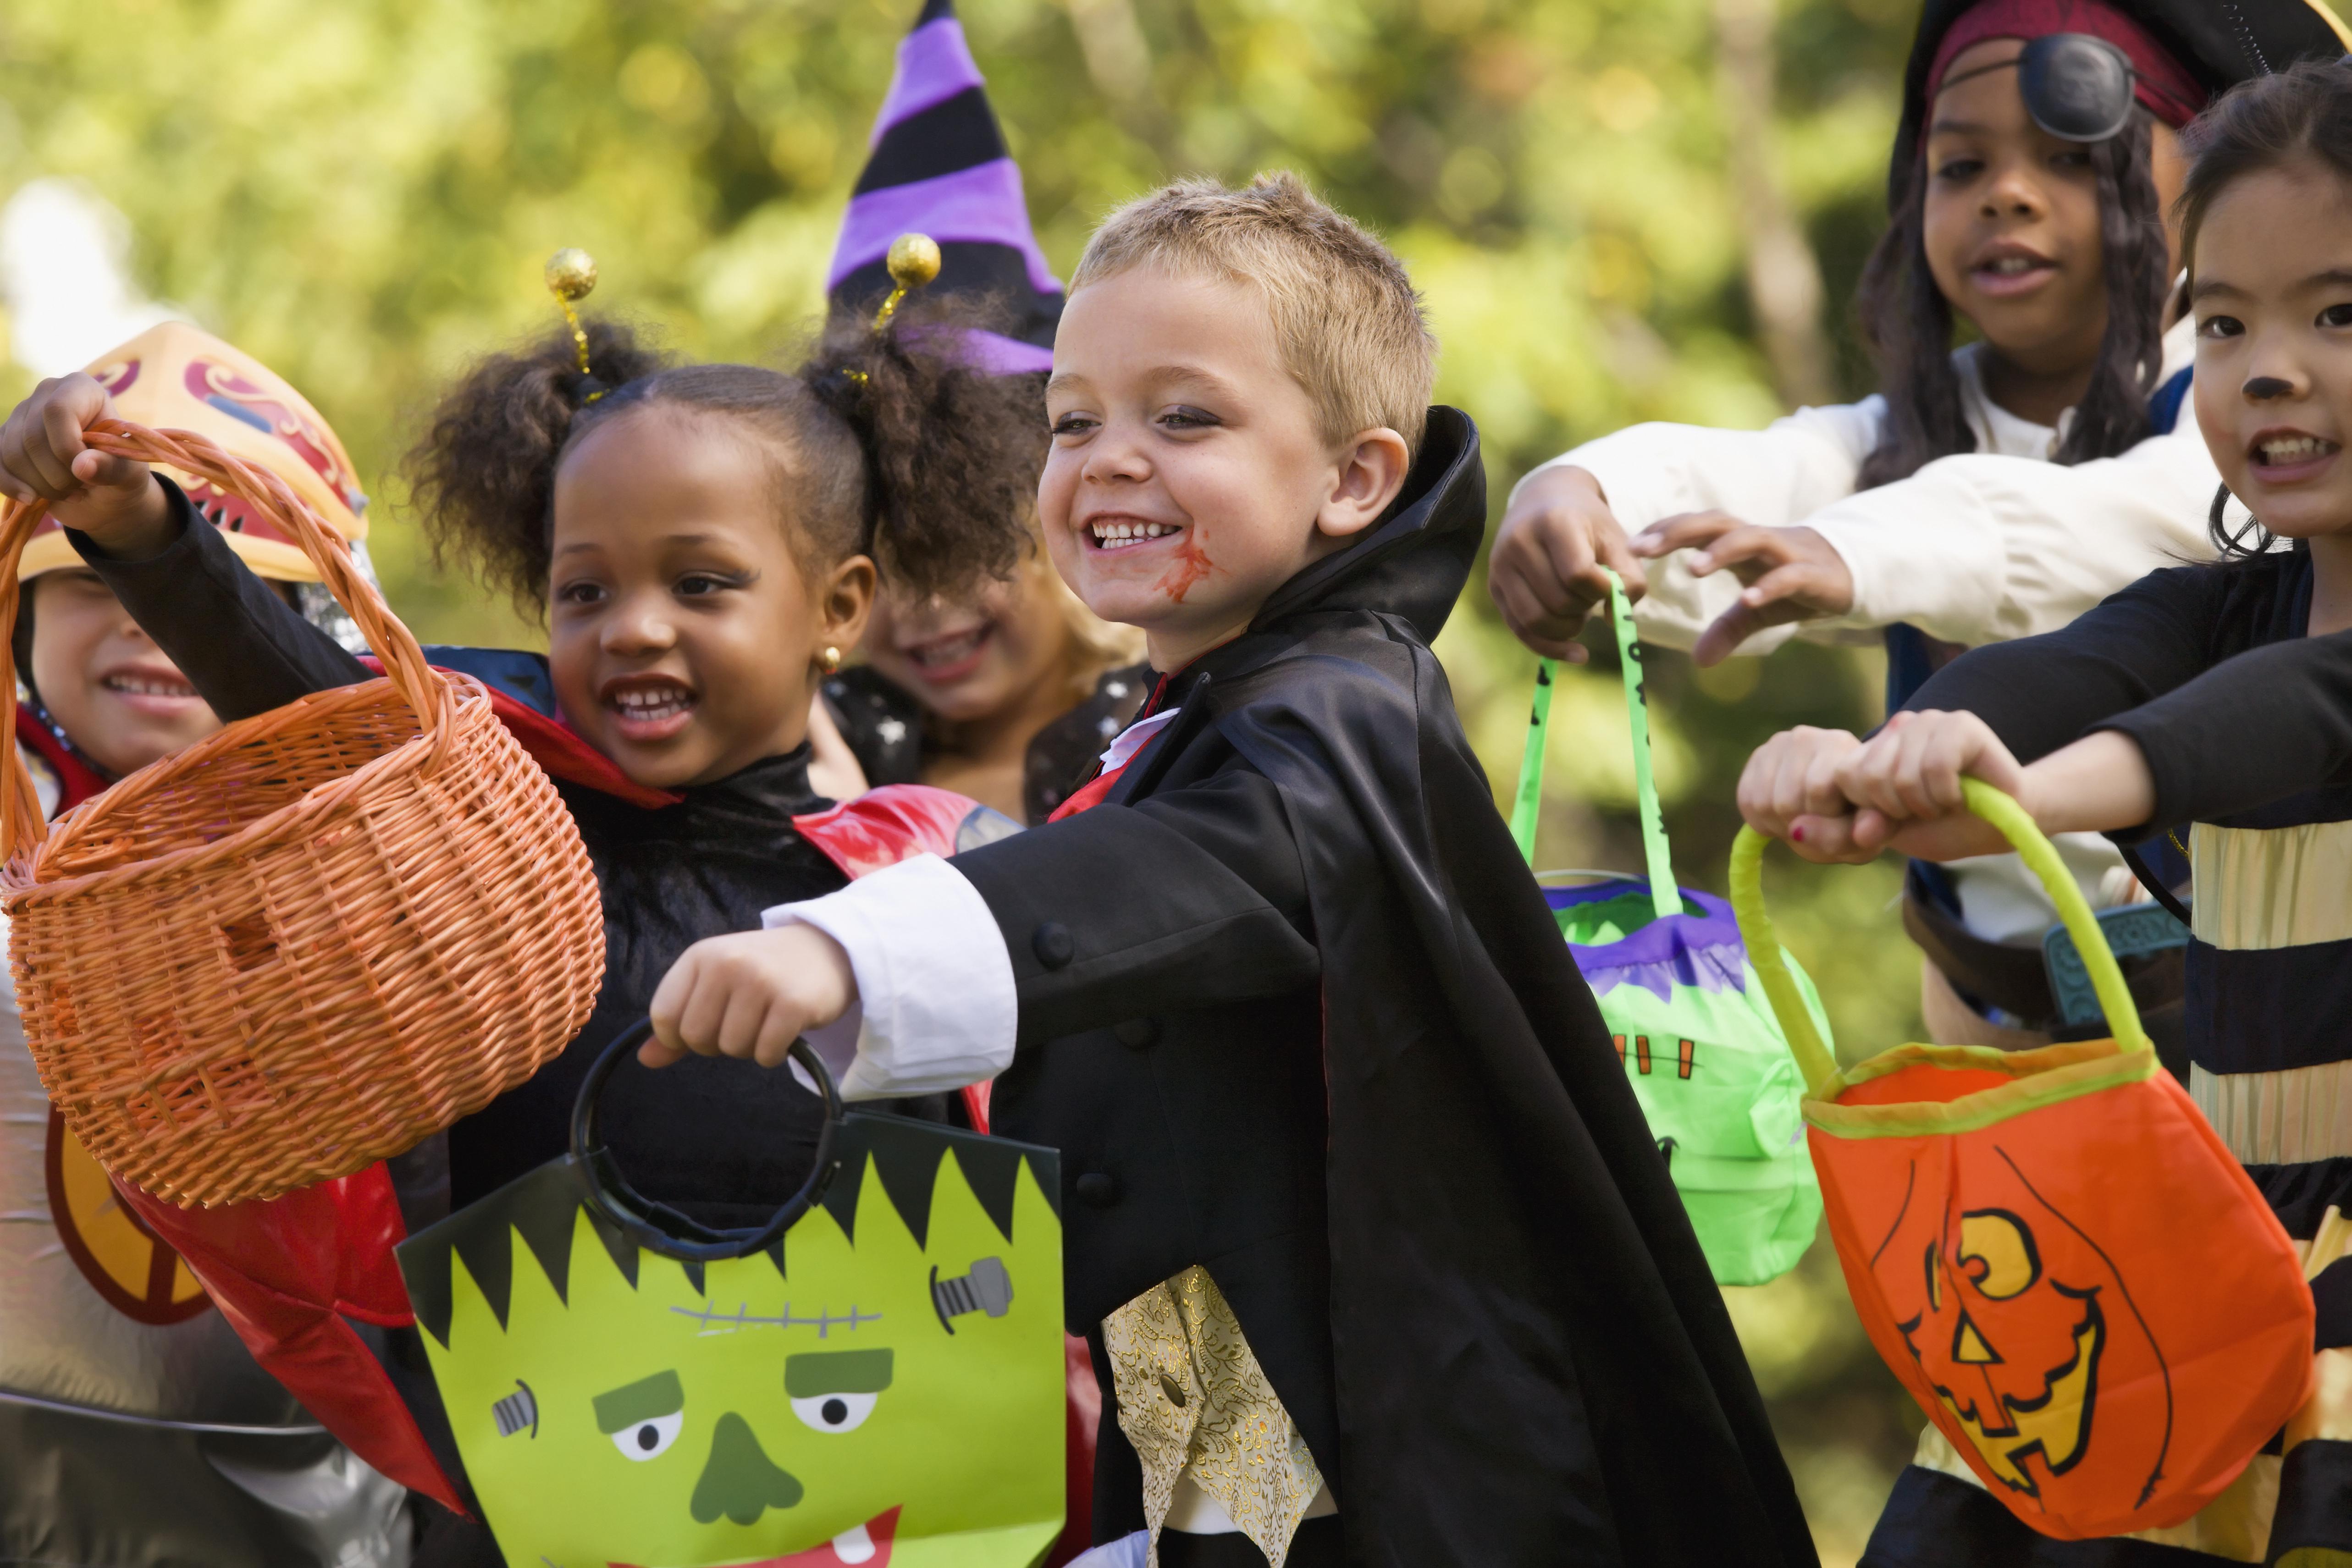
(310, 941)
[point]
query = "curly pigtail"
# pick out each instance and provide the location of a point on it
(951, 452)
(484, 474)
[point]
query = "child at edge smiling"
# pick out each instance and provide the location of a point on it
(1349, 1162)
(704, 539)
(2219, 695)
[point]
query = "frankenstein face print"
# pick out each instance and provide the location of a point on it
(885, 1385)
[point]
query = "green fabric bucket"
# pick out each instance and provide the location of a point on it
(1690, 1019)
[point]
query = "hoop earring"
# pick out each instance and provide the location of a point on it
(828, 659)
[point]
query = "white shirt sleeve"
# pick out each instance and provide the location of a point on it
(1778, 475)
(1976, 548)
(936, 1008)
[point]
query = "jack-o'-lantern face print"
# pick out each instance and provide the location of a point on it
(2019, 1322)
(2030, 1387)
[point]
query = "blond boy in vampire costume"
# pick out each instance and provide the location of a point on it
(1379, 1261)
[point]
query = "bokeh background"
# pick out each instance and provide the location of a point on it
(1618, 210)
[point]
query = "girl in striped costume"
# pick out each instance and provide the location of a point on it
(2219, 696)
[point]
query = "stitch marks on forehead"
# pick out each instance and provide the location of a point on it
(825, 1322)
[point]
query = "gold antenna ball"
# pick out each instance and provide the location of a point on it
(914, 260)
(571, 274)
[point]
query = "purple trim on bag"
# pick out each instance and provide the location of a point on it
(1702, 949)
(982, 204)
(935, 63)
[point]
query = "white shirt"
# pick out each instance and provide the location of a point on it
(1982, 547)
(1977, 548)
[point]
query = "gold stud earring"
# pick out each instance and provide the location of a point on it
(829, 660)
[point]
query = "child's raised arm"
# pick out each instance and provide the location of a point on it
(244, 648)
(115, 501)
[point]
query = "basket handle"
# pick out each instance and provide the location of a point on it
(657, 1227)
(1664, 899)
(1813, 1059)
(22, 828)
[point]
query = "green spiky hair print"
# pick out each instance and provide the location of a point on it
(884, 1386)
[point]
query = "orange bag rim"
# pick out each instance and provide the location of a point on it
(20, 884)
(2047, 1075)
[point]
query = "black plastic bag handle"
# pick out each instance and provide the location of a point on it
(657, 1227)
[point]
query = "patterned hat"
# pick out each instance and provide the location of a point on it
(2215, 43)
(939, 167)
(178, 377)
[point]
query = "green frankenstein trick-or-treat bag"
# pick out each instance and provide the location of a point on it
(877, 1378)
(1701, 1046)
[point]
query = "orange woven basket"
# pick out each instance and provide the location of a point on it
(310, 941)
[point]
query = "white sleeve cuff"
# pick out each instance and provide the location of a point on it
(936, 1006)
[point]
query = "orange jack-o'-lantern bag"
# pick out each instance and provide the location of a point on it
(2051, 1249)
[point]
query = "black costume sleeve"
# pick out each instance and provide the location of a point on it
(2041, 693)
(245, 649)
(2222, 731)
(2270, 723)
(1187, 899)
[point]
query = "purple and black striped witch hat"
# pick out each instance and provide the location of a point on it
(939, 167)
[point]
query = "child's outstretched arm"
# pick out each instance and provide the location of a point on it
(1901, 788)
(1194, 898)
(1589, 507)
(2018, 546)
(244, 648)
(2124, 727)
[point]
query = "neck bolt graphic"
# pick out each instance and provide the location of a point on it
(986, 1289)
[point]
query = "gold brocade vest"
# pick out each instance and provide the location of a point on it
(1194, 1402)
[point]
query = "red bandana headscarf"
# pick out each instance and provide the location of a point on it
(2164, 88)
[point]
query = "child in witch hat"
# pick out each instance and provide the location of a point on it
(1002, 689)
(113, 1361)
(1989, 491)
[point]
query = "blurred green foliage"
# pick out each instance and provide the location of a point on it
(362, 194)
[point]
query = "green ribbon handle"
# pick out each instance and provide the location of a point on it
(1814, 1059)
(1530, 803)
(1663, 898)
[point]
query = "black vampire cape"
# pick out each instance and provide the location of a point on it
(1472, 1285)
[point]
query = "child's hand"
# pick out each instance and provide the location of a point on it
(1544, 573)
(113, 499)
(1789, 574)
(749, 994)
(1789, 790)
(1904, 784)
